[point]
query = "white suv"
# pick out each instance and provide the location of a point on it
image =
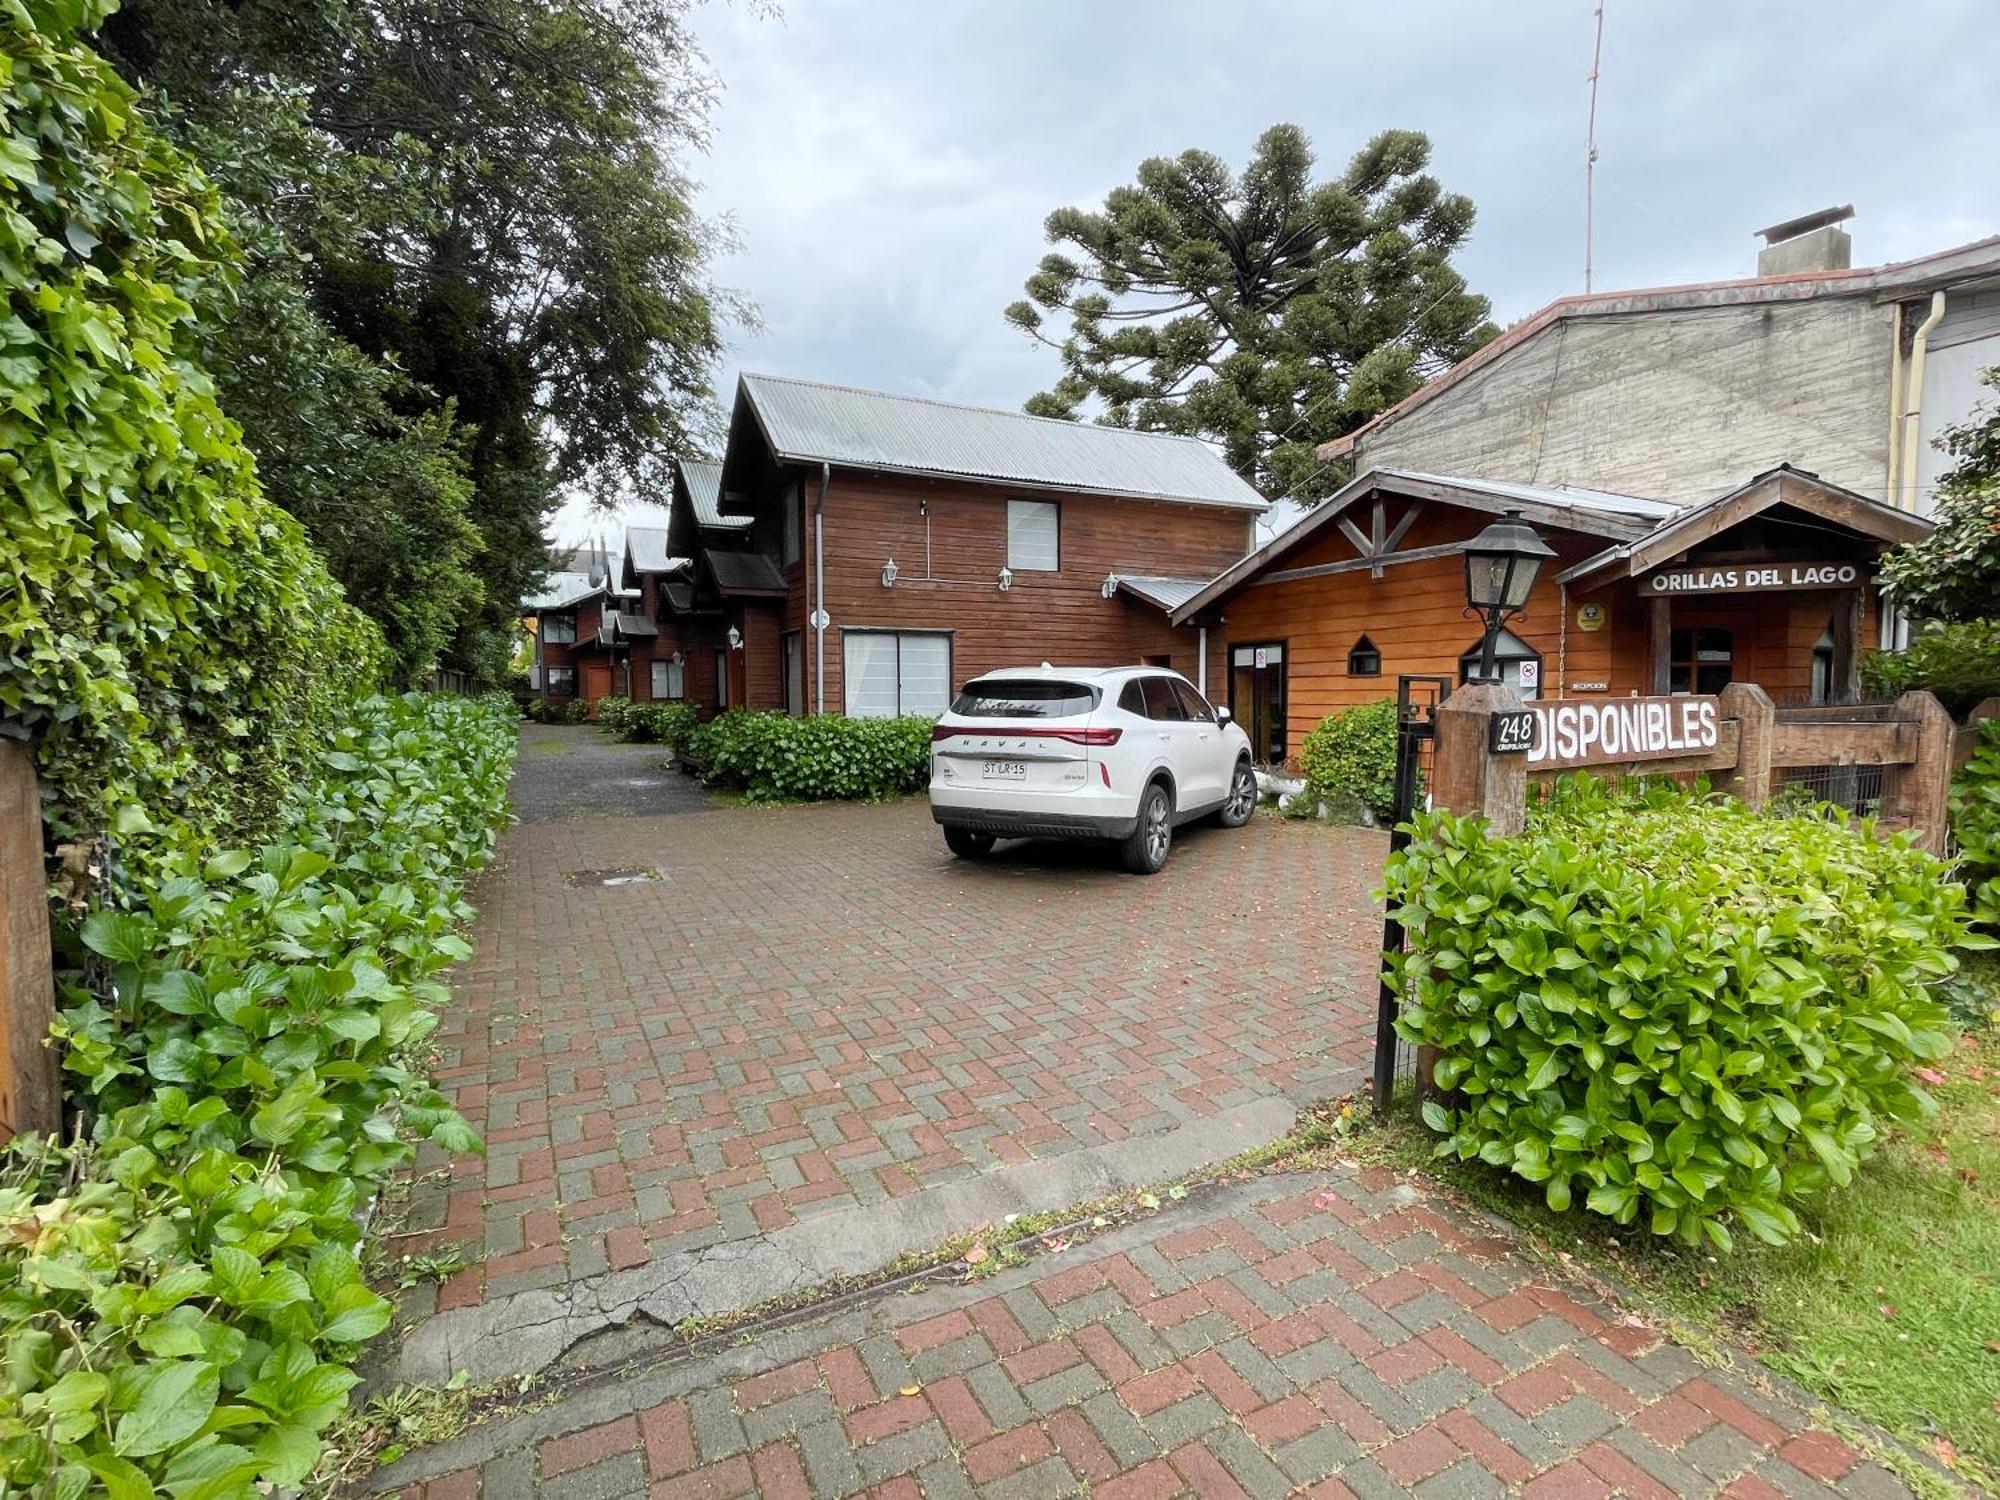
(1124, 753)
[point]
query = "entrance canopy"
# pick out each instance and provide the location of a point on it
(1793, 511)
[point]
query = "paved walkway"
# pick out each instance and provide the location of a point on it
(814, 1012)
(1332, 1333)
(575, 770)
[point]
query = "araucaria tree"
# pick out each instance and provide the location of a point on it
(1264, 312)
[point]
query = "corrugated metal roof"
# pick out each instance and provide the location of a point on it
(646, 551)
(1168, 593)
(1561, 496)
(704, 486)
(736, 571)
(808, 422)
(562, 590)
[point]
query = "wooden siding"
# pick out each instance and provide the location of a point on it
(951, 584)
(1415, 615)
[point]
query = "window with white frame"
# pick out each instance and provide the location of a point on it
(559, 630)
(1034, 536)
(890, 672)
(562, 682)
(669, 679)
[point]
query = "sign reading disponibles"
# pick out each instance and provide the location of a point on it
(1751, 578)
(1623, 730)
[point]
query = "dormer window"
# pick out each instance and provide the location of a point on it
(1363, 659)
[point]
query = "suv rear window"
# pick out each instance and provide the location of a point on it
(1024, 698)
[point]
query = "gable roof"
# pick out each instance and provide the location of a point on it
(1592, 512)
(1981, 258)
(562, 590)
(704, 487)
(1798, 488)
(646, 551)
(806, 422)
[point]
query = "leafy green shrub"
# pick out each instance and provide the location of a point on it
(167, 636)
(615, 715)
(1677, 1011)
(774, 757)
(1960, 663)
(180, 1295)
(1975, 821)
(667, 724)
(1350, 757)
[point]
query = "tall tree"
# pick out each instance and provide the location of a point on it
(1266, 313)
(485, 201)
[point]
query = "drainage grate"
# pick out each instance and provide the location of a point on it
(635, 875)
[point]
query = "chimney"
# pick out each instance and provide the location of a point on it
(1815, 242)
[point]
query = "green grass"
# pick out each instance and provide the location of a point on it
(1888, 1305)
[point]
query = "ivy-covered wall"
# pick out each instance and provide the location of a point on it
(167, 636)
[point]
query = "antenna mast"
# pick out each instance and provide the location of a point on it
(1590, 157)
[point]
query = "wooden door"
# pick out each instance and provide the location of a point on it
(596, 680)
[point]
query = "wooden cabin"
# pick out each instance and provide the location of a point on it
(1773, 582)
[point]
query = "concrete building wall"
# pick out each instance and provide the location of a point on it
(1678, 406)
(1965, 343)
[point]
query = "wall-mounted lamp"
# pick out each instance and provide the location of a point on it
(735, 639)
(1110, 587)
(889, 574)
(680, 659)
(1006, 579)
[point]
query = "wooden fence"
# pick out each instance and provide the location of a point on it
(1893, 759)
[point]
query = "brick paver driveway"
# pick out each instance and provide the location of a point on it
(1330, 1333)
(815, 1009)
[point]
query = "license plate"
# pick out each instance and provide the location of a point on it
(1005, 770)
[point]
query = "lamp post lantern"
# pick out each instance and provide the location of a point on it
(1500, 568)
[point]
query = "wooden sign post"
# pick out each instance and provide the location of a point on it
(30, 1087)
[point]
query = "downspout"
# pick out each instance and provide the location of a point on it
(1891, 630)
(1201, 662)
(819, 590)
(1914, 405)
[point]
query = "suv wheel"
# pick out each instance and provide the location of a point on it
(1145, 850)
(1242, 797)
(968, 843)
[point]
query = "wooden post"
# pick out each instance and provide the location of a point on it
(1750, 778)
(1914, 794)
(1466, 777)
(30, 1086)
(1967, 739)
(1660, 643)
(1846, 682)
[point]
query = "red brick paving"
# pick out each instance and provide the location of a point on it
(817, 1007)
(1017, 1391)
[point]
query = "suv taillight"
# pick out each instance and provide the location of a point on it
(1106, 736)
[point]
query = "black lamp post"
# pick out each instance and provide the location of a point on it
(1500, 568)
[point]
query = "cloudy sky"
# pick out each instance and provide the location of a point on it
(888, 163)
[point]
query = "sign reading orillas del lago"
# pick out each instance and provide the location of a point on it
(1578, 732)
(1752, 578)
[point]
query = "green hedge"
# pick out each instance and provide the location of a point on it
(1673, 1010)
(774, 757)
(1975, 821)
(1350, 757)
(1959, 662)
(669, 724)
(180, 1294)
(167, 636)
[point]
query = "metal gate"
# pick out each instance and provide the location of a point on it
(1417, 700)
